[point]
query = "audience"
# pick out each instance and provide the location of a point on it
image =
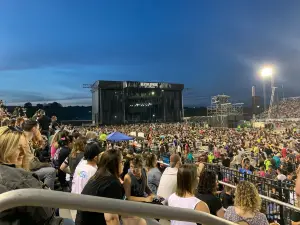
(95, 167)
(288, 108)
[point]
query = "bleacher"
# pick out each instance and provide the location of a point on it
(287, 108)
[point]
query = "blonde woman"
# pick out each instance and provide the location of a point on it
(247, 204)
(15, 156)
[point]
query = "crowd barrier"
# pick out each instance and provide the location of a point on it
(55, 199)
(278, 198)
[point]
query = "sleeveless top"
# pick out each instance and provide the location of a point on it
(138, 187)
(185, 203)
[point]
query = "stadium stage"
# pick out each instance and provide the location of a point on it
(121, 102)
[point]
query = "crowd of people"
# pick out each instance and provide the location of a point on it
(165, 165)
(287, 108)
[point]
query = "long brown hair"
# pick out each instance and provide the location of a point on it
(78, 146)
(109, 164)
(186, 180)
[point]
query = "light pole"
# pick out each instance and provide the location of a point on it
(265, 94)
(266, 72)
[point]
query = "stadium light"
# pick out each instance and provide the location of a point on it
(267, 72)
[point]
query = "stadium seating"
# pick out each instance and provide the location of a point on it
(287, 108)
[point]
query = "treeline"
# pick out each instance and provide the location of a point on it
(83, 112)
(195, 111)
(55, 108)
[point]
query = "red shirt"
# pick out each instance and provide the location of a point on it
(284, 152)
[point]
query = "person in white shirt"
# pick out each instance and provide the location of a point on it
(280, 175)
(168, 181)
(85, 170)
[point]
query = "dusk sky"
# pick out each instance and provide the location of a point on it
(48, 49)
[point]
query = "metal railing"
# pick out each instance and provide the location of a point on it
(53, 199)
(282, 191)
(266, 198)
(278, 198)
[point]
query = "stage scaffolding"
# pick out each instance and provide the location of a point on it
(222, 110)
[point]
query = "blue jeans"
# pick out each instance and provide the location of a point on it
(68, 222)
(48, 175)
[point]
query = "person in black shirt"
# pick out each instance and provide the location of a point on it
(44, 122)
(105, 183)
(268, 151)
(206, 191)
(54, 124)
(225, 160)
(64, 143)
(227, 198)
(289, 167)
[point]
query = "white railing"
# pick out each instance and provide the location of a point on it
(47, 198)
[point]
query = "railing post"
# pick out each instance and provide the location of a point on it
(281, 199)
(245, 176)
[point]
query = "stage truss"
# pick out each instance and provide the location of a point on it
(221, 108)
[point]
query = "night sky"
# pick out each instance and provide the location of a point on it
(48, 49)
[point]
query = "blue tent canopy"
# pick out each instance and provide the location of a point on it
(117, 136)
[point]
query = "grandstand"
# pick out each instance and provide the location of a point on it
(288, 108)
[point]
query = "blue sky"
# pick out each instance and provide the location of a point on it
(48, 49)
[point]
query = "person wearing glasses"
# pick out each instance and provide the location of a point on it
(15, 157)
